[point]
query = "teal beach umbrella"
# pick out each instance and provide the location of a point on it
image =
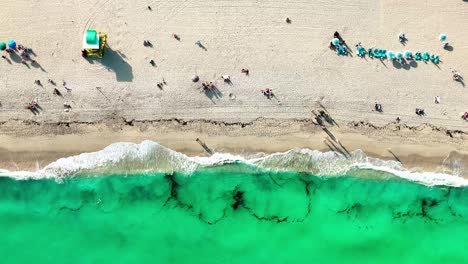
(12, 44)
(2, 45)
(408, 54)
(391, 54)
(335, 41)
(399, 55)
(442, 37)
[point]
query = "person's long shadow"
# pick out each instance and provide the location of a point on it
(37, 65)
(114, 61)
(213, 93)
(15, 57)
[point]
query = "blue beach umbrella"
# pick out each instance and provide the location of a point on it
(335, 41)
(408, 54)
(2, 46)
(442, 37)
(12, 44)
(391, 54)
(399, 55)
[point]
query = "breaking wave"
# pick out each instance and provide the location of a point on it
(149, 156)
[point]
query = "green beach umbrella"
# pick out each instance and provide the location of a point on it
(399, 55)
(2, 45)
(391, 54)
(408, 54)
(335, 41)
(442, 37)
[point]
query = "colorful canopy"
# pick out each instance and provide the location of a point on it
(442, 37)
(335, 41)
(91, 36)
(391, 54)
(399, 55)
(2, 45)
(12, 44)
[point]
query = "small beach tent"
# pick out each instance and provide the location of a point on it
(335, 41)
(94, 43)
(2, 46)
(391, 54)
(12, 44)
(442, 37)
(399, 55)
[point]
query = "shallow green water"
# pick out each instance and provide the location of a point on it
(231, 214)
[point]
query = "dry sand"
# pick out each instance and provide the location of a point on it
(292, 59)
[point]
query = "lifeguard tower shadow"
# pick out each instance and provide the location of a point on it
(114, 61)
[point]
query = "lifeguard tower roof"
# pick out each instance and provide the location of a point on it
(91, 39)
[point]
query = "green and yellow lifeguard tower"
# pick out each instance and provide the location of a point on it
(93, 44)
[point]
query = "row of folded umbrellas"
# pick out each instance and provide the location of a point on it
(11, 45)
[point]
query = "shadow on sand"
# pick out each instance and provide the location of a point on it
(213, 93)
(114, 62)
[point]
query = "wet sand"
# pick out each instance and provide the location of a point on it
(419, 148)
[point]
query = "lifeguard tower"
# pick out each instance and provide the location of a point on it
(93, 44)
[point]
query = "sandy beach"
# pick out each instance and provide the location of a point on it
(116, 98)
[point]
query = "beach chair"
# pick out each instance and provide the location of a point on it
(383, 54)
(417, 56)
(377, 53)
(435, 59)
(341, 50)
(361, 52)
(425, 56)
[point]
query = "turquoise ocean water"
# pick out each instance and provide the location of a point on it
(231, 213)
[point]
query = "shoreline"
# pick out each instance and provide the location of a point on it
(28, 147)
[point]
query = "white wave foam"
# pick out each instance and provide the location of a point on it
(150, 156)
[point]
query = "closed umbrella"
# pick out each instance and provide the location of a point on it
(335, 41)
(442, 37)
(391, 54)
(408, 54)
(12, 44)
(399, 55)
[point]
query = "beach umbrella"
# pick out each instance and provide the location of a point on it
(399, 55)
(408, 54)
(195, 78)
(391, 54)
(2, 45)
(442, 37)
(12, 44)
(335, 41)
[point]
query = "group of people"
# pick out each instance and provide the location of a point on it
(33, 106)
(208, 85)
(23, 52)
